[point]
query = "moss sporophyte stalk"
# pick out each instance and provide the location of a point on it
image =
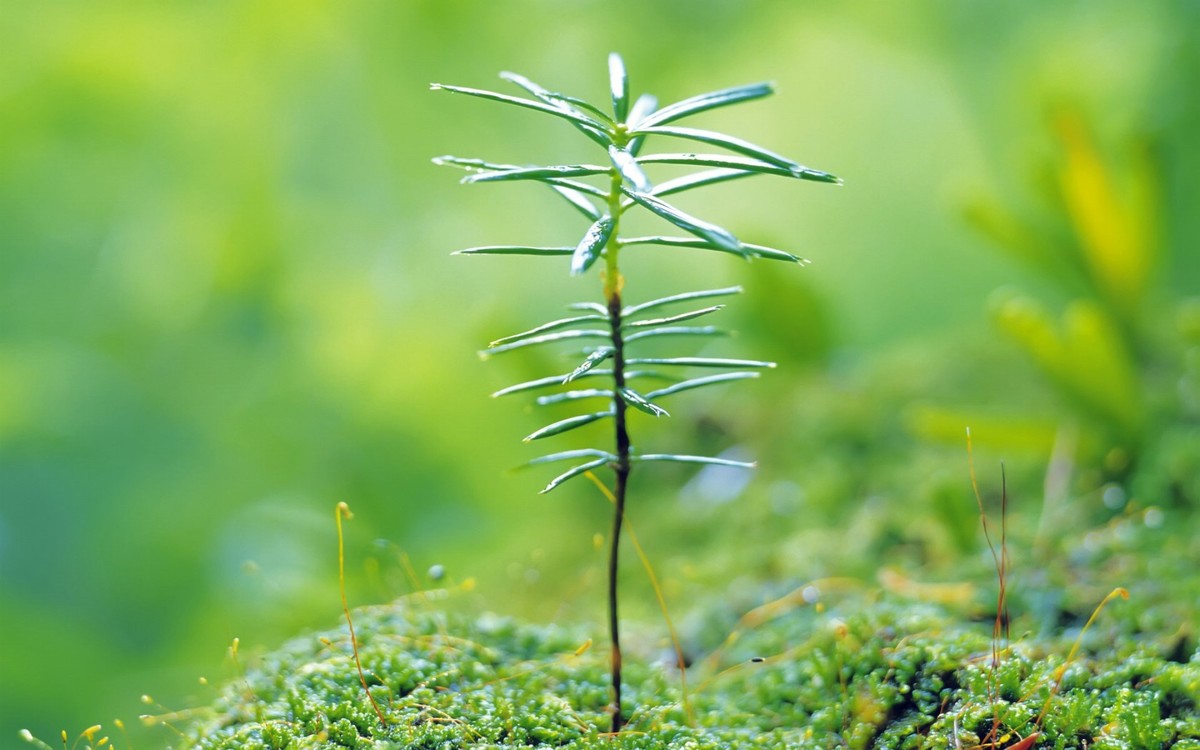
(614, 332)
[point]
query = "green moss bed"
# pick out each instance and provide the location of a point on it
(868, 671)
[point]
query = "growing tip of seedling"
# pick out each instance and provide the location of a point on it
(343, 510)
(619, 84)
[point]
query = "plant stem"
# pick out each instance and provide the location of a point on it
(621, 469)
(612, 293)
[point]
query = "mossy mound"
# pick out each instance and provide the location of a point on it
(862, 674)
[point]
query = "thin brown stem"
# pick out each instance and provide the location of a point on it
(621, 468)
(613, 283)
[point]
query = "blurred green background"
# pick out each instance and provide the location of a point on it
(227, 302)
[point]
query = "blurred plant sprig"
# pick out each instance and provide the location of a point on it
(1117, 351)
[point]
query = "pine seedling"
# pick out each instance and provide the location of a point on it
(612, 332)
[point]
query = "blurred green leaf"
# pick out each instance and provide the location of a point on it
(486, 167)
(579, 201)
(1031, 436)
(631, 310)
(574, 472)
(645, 104)
(471, 164)
(673, 318)
(618, 83)
(592, 245)
(699, 179)
(528, 104)
(551, 326)
(640, 402)
(569, 104)
(747, 249)
(530, 385)
(675, 331)
(559, 184)
(1084, 353)
(558, 99)
(720, 139)
(583, 104)
(539, 173)
(553, 380)
(720, 161)
(568, 456)
(641, 109)
(592, 360)
(547, 338)
(703, 102)
(744, 163)
(1025, 243)
(650, 374)
(629, 169)
(688, 223)
(699, 362)
(558, 398)
(596, 306)
(576, 186)
(682, 459)
(564, 425)
(1117, 235)
(514, 250)
(693, 383)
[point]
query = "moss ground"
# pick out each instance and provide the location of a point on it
(861, 672)
(879, 659)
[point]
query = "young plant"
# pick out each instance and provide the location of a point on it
(604, 192)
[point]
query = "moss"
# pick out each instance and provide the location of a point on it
(864, 674)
